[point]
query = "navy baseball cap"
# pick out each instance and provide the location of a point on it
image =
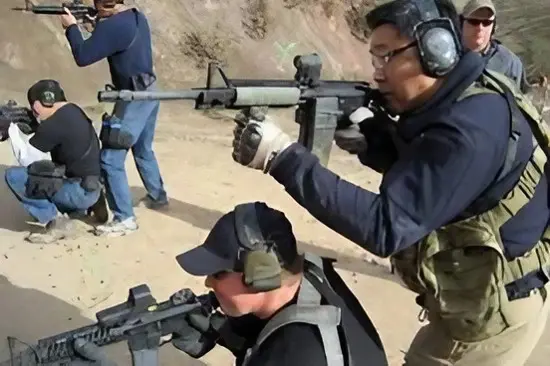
(220, 251)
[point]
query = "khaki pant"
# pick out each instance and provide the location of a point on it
(433, 347)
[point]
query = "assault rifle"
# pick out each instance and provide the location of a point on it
(322, 105)
(11, 112)
(80, 11)
(140, 321)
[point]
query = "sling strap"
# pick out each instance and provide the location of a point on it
(308, 310)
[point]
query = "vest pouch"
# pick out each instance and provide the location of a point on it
(112, 136)
(406, 266)
(464, 264)
(44, 180)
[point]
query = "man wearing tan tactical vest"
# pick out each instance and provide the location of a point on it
(463, 207)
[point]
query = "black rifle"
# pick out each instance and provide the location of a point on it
(140, 321)
(80, 11)
(11, 112)
(322, 104)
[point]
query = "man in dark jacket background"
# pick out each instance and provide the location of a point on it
(478, 29)
(448, 161)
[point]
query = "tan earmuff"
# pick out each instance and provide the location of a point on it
(261, 267)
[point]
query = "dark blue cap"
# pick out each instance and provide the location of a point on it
(220, 250)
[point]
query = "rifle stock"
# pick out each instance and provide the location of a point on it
(322, 105)
(139, 320)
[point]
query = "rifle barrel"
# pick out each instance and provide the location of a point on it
(58, 10)
(128, 95)
(229, 97)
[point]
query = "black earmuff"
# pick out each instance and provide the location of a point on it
(437, 40)
(258, 257)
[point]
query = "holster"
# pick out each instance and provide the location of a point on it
(45, 179)
(112, 136)
(142, 81)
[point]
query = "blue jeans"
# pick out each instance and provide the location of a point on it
(139, 119)
(70, 198)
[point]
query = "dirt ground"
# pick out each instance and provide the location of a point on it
(49, 289)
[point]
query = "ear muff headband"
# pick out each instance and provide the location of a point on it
(261, 267)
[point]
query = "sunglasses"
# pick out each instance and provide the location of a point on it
(476, 22)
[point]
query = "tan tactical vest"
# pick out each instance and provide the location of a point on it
(461, 267)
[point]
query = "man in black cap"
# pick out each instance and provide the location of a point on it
(281, 308)
(69, 183)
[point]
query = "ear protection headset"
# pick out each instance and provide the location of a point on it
(47, 97)
(258, 258)
(437, 40)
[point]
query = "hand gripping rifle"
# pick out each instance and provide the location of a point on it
(140, 321)
(322, 105)
(11, 112)
(80, 10)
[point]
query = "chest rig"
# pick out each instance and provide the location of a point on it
(308, 310)
(460, 269)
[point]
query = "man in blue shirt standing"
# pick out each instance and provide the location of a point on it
(462, 209)
(122, 35)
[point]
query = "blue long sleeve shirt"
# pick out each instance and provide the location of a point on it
(124, 39)
(455, 151)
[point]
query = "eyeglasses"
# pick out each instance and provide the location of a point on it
(476, 22)
(379, 61)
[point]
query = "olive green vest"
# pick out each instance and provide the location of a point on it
(461, 267)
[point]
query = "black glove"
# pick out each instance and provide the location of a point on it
(198, 332)
(381, 136)
(4, 126)
(25, 128)
(89, 354)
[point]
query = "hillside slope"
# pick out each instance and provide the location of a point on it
(34, 47)
(252, 38)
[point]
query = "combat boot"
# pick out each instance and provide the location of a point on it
(99, 209)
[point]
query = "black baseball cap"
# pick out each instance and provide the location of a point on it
(220, 250)
(41, 86)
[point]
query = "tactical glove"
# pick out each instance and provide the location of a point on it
(350, 138)
(198, 333)
(257, 140)
(4, 126)
(89, 354)
(25, 128)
